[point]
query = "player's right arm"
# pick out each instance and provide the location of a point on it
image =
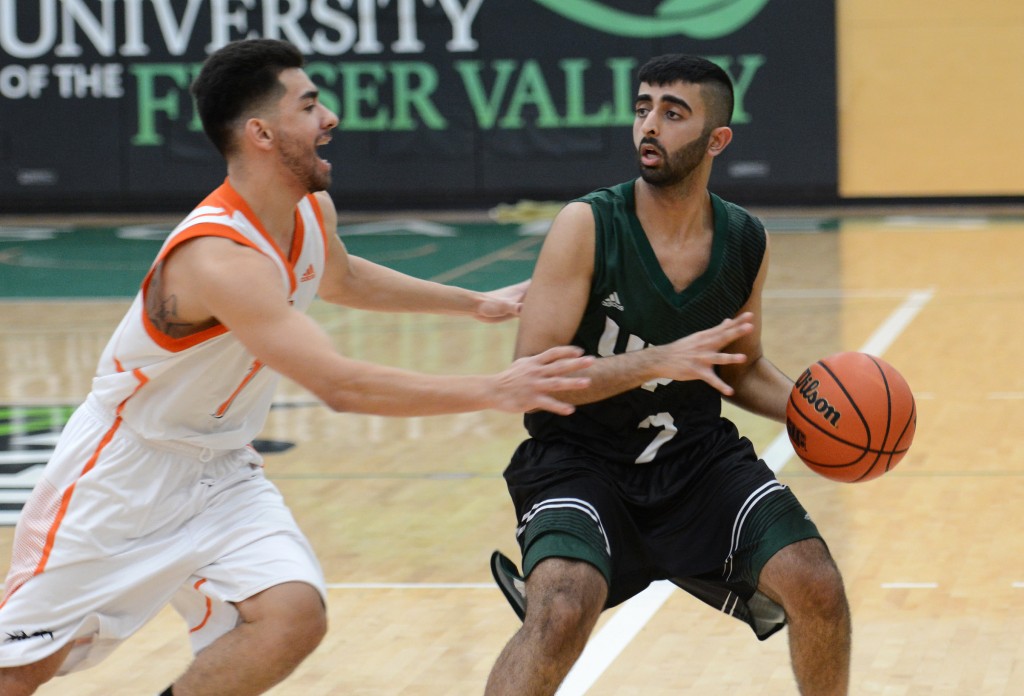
(758, 385)
(356, 282)
(557, 298)
(215, 278)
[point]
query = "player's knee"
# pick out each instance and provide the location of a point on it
(821, 593)
(305, 630)
(13, 682)
(13, 685)
(825, 597)
(564, 606)
(806, 581)
(560, 624)
(24, 680)
(292, 620)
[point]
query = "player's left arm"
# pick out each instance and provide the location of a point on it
(357, 282)
(759, 386)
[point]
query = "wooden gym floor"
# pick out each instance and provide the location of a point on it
(405, 512)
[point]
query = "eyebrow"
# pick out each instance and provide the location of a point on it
(666, 98)
(313, 94)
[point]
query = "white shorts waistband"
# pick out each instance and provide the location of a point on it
(201, 452)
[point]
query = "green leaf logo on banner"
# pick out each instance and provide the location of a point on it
(698, 19)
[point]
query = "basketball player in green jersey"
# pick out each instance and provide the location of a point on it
(646, 480)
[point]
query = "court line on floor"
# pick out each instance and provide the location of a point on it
(606, 645)
(507, 253)
(838, 293)
(613, 637)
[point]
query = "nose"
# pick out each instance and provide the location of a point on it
(649, 126)
(330, 118)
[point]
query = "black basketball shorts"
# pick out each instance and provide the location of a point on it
(709, 525)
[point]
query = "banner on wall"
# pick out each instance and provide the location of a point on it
(440, 102)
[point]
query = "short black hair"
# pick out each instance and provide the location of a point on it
(237, 78)
(716, 87)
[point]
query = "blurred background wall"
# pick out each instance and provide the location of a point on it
(473, 103)
(930, 98)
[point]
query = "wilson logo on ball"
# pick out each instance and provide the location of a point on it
(807, 387)
(878, 423)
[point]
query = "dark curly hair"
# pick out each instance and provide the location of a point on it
(236, 80)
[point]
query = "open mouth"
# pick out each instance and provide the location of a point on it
(321, 142)
(650, 154)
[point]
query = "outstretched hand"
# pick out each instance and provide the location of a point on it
(503, 303)
(696, 356)
(527, 384)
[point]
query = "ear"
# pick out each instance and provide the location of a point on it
(258, 133)
(719, 140)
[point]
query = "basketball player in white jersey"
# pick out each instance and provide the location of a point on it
(153, 495)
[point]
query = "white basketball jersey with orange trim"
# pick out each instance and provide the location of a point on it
(206, 389)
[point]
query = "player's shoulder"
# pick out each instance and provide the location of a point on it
(326, 210)
(738, 218)
(619, 194)
(324, 200)
(734, 209)
(609, 207)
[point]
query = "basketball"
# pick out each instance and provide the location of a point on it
(851, 417)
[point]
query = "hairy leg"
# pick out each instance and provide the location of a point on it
(24, 680)
(564, 600)
(804, 579)
(280, 627)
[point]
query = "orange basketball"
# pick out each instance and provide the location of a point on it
(851, 417)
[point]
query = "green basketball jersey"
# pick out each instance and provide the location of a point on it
(632, 305)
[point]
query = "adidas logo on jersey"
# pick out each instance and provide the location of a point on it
(310, 274)
(613, 302)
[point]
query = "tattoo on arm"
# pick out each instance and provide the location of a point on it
(163, 311)
(163, 315)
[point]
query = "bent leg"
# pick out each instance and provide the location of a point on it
(805, 581)
(565, 599)
(24, 680)
(279, 628)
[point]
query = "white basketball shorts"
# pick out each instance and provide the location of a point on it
(119, 527)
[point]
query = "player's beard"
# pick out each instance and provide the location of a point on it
(306, 165)
(676, 167)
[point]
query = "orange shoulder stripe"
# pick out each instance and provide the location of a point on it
(202, 229)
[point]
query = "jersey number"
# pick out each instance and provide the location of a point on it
(606, 347)
(658, 420)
